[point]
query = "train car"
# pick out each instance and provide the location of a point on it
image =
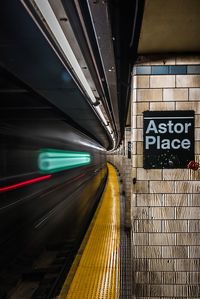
(51, 178)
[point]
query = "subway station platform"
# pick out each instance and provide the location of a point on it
(84, 83)
(96, 271)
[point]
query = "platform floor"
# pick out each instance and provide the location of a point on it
(98, 272)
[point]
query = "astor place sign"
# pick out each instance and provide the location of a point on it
(168, 139)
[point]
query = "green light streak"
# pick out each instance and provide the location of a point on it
(50, 161)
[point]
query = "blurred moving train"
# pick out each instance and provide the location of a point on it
(42, 201)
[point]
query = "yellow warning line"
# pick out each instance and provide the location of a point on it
(98, 272)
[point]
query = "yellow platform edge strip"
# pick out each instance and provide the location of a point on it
(95, 273)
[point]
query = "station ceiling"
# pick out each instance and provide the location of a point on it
(171, 26)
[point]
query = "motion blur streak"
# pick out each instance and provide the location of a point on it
(51, 160)
(25, 183)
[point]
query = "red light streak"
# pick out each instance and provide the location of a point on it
(25, 183)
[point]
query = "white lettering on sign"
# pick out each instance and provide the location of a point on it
(167, 127)
(167, 143)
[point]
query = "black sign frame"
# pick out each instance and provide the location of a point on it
(168, 139)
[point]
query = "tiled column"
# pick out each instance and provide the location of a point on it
(165, 202)
(127, 163)
(116, 158)
(121, 160)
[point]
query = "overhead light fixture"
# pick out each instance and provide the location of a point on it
(51, 20)
(105, 121)
(102, 116)
(110, 130)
